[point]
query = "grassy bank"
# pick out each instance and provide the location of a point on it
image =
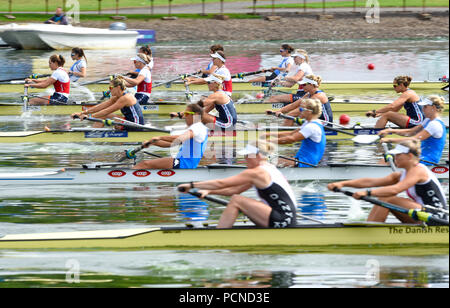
(90, 5)
(34, 17)
(382, 3)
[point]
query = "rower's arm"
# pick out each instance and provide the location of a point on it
(291, 137)
(412, 178)
(391, 179)
(100, 106)
(290, 107)
(80, 74)
(230, 191)
(246, 177)
(195, 80)
(210, 71)
(43, 84)
(132, 82)
(395, 105)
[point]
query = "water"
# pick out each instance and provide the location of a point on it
(26, 209)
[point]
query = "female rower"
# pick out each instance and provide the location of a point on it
(147, 51)
(298, 71)
(432, 132)
(120, 100)
(311, 84)
(143, 81)
(78, 69)
(219, 61)
(193, 144)
(277, 205)
(283, 68)
(416, 180)
(211, 68)
(59, 79)
(408, 99)
(311, 134)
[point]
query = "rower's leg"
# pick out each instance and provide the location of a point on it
(159, 163)
(379, 214)
(258, 79)
(37, 101)
(285, 98)
(256, 211)
(394, 117)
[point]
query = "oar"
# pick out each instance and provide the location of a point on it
(296, 160)
(32, 76)
(109, 122)
(184, 76)
(388, 157)
(188, 92)
(131, 154)
(110, 77)
(25, 99)
(364, 139)
(242, 75)
(413, 213)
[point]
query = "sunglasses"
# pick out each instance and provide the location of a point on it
(73, 54)
(304, 109)
(189, 112)
(282, 50)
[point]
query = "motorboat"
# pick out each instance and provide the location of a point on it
(49, 36)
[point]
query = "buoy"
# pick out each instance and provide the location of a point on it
(371, 66)
(260, 95)
(344, 119)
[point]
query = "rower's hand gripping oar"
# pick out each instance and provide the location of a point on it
(195, 192)
(359, 138)
(109, 122)
(131, 153)
(416, 214)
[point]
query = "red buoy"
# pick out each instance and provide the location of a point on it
(344, 119)
(371, 66)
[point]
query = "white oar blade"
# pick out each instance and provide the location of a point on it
(366, 139)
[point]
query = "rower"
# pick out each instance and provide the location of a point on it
(298, 71)
(59, 79)
(120, 100)
(147, 51)
(311, 134)
(78, 69)
(408, 99)
(311, 84)
(219, 61)
(193, 144)
(419, 183)
(143, 81)
(211, 68)
(282, 69)
(277, 205)
(432, 132)
(227, 118)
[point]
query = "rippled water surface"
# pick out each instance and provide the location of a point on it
(52, 208)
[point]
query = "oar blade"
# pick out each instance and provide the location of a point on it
(366, 139)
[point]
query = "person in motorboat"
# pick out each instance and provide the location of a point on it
(58, 19)
(59, 79)
(193, 143)
(276, 207)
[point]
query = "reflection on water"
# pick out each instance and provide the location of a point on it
(27, 209)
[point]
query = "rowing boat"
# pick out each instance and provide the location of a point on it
(337, 87)
(77, 135)
(121, 174)
(165, 108)
(334, 236)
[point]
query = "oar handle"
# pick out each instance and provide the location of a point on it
(195, 192)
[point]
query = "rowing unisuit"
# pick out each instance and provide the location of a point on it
(432, 147)
(414, 112)
(428, 193)
(313, 146)
(227, 117)
(62, 86)
(192, 150)
(280, 197)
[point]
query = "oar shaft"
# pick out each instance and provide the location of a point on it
(296, 160)
(413, 213)
(241, 75)
(195, 192)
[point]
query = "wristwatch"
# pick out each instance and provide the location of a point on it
(369, 192)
